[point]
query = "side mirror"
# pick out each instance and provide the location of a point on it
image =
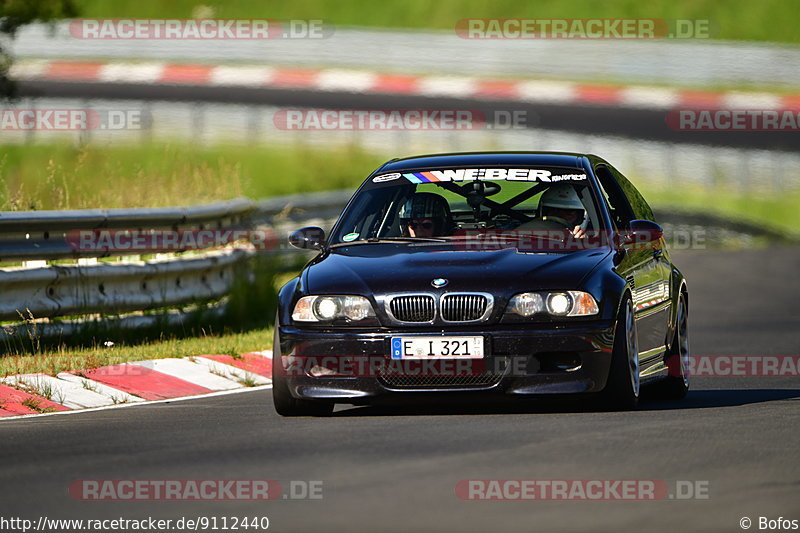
(310, 238)
(642, 232)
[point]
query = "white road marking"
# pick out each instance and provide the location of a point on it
(67, 393)
(188, 371)
(116, 395)
(547, 91)
(241, 76)
(130, 72)
(123, 405)
(649, 97)
(231, 372)
(346, 80)
(447, 86)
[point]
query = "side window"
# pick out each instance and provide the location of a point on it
(619, 207)
(367, 212)
(640, 208)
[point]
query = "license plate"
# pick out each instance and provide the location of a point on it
(437, 347)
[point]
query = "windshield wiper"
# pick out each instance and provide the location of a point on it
(376, 240)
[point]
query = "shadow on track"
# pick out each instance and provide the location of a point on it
(651, 400)
(717, 398)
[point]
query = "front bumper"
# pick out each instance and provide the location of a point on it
(518, 361)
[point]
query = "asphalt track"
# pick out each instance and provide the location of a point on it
(586, 119)
(396, 471)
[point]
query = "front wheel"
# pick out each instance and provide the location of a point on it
(622, 388)
(676, 385)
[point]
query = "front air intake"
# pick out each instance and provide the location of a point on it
(464, 307)
(413, 308)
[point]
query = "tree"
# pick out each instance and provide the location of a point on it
(16, 13)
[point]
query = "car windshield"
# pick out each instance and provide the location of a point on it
(445, 205)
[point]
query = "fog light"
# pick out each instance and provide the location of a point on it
(319, 371)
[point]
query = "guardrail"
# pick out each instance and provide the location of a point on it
(39, 283)
(31, 235)
(63, 290)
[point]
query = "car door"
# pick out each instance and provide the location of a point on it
(645, 267)
(653, 293)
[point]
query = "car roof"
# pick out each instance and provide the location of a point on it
(485, 159)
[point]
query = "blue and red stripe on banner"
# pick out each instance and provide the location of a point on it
(421, 177)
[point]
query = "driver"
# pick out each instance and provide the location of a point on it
(561, 204)
(425, 215)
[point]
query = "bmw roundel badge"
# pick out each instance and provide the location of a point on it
(439, 282)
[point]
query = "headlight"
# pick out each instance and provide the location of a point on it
(357, 308)
(526, 304)
(328, 308)
(557, 303)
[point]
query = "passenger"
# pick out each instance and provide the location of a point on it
(560, 203)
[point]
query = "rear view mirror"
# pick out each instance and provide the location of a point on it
(643, 231)
(309, 238)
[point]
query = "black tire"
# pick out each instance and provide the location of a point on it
(622, 388)
(286, 404)
(676, 384)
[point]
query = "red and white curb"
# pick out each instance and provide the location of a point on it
(133, 383)
(356, 81)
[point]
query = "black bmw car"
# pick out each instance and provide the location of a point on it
(517, 274)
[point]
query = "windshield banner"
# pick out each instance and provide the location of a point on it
(469, 174)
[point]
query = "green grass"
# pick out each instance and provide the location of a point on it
(36, 404)
(778, 213)
(764, 20)
(66, 358)
(62, 176)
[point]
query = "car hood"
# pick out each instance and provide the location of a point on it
(385, 268)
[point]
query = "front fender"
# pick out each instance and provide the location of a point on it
(286, 299)
(608, 287)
